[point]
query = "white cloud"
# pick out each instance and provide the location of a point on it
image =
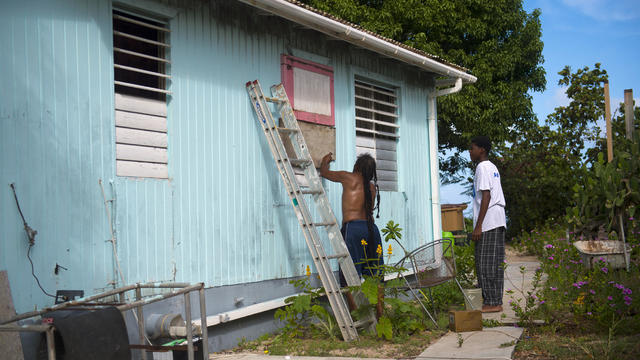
(607, 10)
(560, 97)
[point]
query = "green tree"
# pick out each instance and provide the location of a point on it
(544, 162)
(496, 39)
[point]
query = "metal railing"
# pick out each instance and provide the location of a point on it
(181, 289)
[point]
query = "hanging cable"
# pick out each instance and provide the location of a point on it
(31, 235)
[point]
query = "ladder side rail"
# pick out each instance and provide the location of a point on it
(304, 218)
(335, 236)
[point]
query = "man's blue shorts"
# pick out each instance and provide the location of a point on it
(364, 258)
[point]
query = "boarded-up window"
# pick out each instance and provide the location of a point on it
(140, 54)
(377, 129)
(309, 86)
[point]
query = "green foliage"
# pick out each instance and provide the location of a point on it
(526, 305)
(370, 289)
(306, 313)
(497, 40)
(393, 231)
(384, 328)
(598, 298)
(543, 163)
(466, 264)
(611, 191)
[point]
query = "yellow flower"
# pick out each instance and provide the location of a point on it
(266, 351)
(363, 242)
(379, 250)
(308, 271)
(390, 250)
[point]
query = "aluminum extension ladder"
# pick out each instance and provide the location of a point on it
(309, 226)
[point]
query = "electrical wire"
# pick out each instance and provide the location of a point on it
(34, 274)
(31, 235)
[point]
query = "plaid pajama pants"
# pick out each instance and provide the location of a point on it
(489, 255)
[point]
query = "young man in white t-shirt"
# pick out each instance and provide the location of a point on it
(489, 223)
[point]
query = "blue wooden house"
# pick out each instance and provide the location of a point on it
(144, 101)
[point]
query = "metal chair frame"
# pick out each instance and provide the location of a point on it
(427, 274)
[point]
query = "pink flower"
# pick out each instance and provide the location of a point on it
(550, 258)
(548, 246)
(610, 298)
(593, 292)
(605, 270)
(554, 288)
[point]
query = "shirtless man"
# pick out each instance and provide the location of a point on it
(359, 191)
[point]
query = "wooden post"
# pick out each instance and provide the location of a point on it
(607, 118)
(628, 112)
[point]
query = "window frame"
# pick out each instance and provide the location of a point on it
(372, 134)
(288, 63)
(141, 137)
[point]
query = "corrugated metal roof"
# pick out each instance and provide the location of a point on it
(389, 40)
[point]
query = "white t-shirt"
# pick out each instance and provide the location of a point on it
(488, 178)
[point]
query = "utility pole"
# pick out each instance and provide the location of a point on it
(607, 118)
(628, 112)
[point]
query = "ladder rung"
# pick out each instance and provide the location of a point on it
(300, 162)
(324, 224)
(288, 130)
(337, 256)
(273, 99)
(312, 192)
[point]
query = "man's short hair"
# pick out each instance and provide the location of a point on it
(483, 142)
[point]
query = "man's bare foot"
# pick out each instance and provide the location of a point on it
(491, 309)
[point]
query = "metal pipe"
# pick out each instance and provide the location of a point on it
(203, 324)
(158, 297)
(187, 312)
(51, 344)
(25, 328)
(140, 322)
(47, 329)
(357, 37)
(69, 303)
(433, 162)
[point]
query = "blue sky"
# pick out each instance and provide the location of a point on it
(580, 33)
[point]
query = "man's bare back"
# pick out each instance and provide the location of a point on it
(353, 207)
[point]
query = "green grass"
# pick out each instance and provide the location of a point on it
(546, 343)
(368, 345)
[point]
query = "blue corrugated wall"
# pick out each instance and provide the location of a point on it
(223, 217)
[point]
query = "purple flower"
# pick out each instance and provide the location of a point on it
(550, 257)
(627, 300)
(556, 266)
(601, 259)
(542, 302)
(627, 291)
(612, 305)
(548, 246)
(589, 313)
(631, 218)
(593, 292)
(610, 298)
(605, 270)
(554, 288)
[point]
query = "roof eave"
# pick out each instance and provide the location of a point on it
(357, 37)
